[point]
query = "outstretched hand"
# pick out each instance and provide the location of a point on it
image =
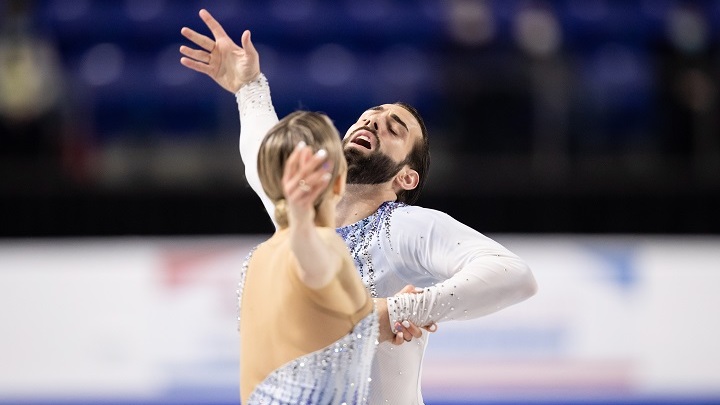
(223, 60)
(305, 177)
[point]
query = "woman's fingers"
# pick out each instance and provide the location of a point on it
(291, 164)
(307, 185)
(306, 174)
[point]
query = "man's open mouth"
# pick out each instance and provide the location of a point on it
(362, 140)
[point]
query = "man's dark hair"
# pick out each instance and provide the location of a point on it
(418, 158)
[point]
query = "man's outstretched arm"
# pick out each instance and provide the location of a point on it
(237, 70)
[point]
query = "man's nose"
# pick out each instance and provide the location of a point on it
(370, 123)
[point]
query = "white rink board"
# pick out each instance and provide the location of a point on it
(155, 318)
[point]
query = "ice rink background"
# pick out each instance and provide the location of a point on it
(153, 320)
(583, 134)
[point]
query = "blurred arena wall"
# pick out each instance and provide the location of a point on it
(617, 320)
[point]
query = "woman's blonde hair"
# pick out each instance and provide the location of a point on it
(318, 132)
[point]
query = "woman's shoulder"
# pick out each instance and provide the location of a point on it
(328, 234)
(274, 246)
(331, 238)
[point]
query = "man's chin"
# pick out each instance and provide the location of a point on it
(370, 168)
(356, 150)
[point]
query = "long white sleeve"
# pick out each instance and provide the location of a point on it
(257, 116)
(477, 275)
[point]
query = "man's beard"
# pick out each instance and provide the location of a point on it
(374, 168)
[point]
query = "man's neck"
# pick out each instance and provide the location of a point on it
(360, 201)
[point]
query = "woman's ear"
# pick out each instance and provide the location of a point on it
(407, 179)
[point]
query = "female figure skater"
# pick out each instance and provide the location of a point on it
(308, 328)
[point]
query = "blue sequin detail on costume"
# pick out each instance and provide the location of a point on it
(338, 374)
(361, 235)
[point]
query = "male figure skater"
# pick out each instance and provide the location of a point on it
(444, 269)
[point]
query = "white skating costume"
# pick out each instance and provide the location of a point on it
(463, 273)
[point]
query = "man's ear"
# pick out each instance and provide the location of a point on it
(407, 179)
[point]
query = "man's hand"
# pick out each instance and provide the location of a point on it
(400, 333)
(228, 64)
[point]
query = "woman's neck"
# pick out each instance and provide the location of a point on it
(325, 214)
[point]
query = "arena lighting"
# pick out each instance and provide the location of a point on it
(471, 23)
(537, 31)
(102, 64)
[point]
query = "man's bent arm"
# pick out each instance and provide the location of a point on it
(479, 275)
